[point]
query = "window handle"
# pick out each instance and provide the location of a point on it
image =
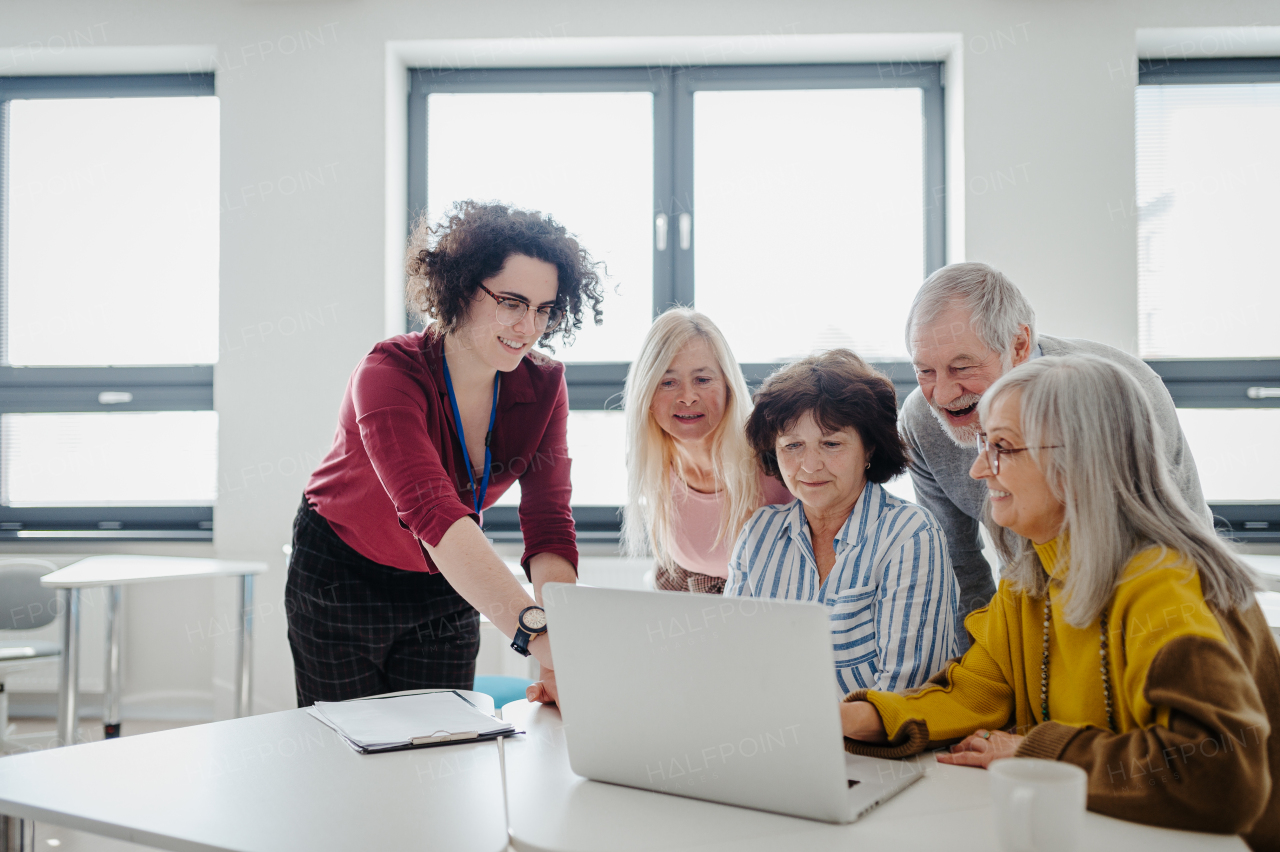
(660, 232)
(686, 230)
(1263, 393)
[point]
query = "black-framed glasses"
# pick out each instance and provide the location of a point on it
(512, 309)
(993, 453)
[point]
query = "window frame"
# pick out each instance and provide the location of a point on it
(76, 389)
(599, 386)
(1221, 382)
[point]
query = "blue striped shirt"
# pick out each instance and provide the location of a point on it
(891, 593)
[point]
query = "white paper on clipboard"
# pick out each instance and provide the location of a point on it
(400, 721)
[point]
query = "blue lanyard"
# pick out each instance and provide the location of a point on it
(457, 421)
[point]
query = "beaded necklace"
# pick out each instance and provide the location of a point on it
(1104, 668)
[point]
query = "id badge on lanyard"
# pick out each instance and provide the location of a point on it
(477, 494)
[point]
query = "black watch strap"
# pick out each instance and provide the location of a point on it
(520, 644)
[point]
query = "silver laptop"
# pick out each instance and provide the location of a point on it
(731, 700)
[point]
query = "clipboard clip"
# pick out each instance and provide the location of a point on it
(444, 737)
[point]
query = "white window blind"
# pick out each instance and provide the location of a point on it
(1234, 452)
(810, 218)
(584, 158)
(1207, 180)
(597, 441)
(128, 458)
(113, 241)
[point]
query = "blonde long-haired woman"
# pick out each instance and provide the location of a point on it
(692, 480)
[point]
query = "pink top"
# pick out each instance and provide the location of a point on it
(693, 536)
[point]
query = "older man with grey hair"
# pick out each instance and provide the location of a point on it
(969, 325)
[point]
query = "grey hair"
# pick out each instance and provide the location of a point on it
(997, 309)
(1110, 473)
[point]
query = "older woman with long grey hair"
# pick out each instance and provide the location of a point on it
(1125, 636)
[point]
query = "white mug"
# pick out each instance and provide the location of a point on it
(1039, 804)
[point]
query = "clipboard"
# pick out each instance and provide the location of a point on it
(404, 721)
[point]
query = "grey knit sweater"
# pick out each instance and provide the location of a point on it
(940, 471)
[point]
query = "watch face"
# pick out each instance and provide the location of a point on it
(533, 618)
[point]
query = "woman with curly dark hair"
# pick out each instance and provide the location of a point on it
(390, 570)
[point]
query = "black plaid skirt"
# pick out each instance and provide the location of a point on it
(357, 627)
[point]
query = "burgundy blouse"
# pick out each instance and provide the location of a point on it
(395, 473)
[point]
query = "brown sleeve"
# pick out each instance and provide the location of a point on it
(1206, 771)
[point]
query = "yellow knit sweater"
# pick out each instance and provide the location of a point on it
(1157, 600)
(1195, 692)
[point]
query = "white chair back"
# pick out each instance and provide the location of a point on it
(24, 603)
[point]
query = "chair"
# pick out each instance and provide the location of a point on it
(24, 605)
(501, 688)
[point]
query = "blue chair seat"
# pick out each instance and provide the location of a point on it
(501, 688)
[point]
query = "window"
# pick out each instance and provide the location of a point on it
(108, 306)
(1207, 289)
(704, 187)
(557, 167)
(831, 181)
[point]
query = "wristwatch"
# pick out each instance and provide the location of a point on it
(531, 621)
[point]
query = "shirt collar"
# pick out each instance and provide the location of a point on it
(865, 513)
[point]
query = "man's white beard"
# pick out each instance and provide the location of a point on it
(964, 436)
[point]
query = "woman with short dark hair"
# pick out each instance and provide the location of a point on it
(828, 427)
(389, 564)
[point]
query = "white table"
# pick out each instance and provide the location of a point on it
(1267, 566)
(1270, 603)
(115, 572)
(549, 808)
(270, 783)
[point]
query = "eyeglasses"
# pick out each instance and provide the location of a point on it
(993, 453)
(511, 310)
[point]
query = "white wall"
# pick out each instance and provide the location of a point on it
(1048, 170)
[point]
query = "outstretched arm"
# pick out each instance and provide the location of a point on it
(968, 694)
(479, 575)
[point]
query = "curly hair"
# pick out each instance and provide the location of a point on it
(446, 263)
(841, 391)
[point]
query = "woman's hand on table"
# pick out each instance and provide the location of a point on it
(544, 691)
(981, 747)
(861, 721)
